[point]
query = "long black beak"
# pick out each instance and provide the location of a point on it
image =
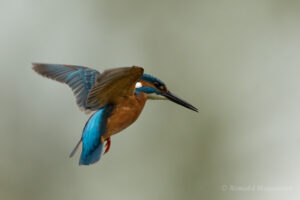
(178, 100)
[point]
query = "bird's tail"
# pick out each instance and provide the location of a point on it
(75, 148)
(91, 137)
(88, 159)
(93, 157)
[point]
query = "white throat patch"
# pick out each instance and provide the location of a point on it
(156, 97)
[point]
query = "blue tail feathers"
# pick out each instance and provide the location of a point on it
(91, 136)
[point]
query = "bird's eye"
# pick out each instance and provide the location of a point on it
(162, 87)
(159, 85)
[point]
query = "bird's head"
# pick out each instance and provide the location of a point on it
(156, 89)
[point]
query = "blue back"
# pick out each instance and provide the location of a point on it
(92, 132)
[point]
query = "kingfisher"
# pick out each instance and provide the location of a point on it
(116, 97)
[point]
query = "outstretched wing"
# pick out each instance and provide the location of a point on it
(113, 84)
(80, 79)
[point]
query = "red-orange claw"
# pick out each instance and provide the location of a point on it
(107, 145)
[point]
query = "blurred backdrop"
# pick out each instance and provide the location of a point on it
(237, 61)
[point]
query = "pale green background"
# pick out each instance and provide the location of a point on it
(237, 61)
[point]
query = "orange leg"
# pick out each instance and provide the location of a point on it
(107, 145)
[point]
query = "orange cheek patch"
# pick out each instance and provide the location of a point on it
(146, 84)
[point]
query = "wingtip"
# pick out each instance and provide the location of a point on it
(36, 66)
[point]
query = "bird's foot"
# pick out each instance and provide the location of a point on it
(107, 145)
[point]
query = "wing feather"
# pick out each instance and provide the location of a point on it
(80, 79)
(113, 84)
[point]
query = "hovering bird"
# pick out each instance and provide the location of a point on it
(116, 97)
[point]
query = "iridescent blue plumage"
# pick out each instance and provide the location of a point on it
(92, 132)
(81, 82)
(147, 90)
(151, 79)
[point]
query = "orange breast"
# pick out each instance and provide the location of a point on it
(126, 111)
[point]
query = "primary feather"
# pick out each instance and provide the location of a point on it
(92, 89)
(80, 79)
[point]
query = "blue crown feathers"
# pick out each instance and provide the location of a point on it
(151, 79)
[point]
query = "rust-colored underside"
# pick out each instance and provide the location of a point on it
(126, 111)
